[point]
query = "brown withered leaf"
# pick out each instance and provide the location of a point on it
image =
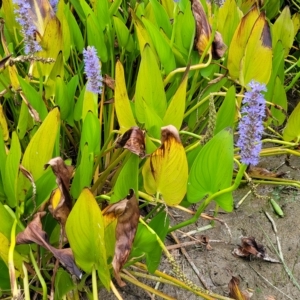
(250, 248)
(203, 33)
(234, 290)
(4, 61)
(263, 173)
(109, 82)
(127, 213)
(133, 140)
(60, 199)
(34, 233)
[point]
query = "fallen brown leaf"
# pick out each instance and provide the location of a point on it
(251, 247)
(109, 82)
(263, 173)
(60, 199)
(34, 233)
(127, 213)
(133, 140)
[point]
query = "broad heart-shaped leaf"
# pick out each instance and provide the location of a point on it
(212, 170)
(85, 232)
(149, 87)
(292, 128)
(175, 111)
(40, 148)
(283, 30)
(166, 170)
(12, 171)
(257, 62)
(122, 105)
(238, 43)
(127, 179)
(227, 111)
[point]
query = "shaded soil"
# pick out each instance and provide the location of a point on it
(216, 266)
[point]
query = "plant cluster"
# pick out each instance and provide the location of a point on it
(107, 107)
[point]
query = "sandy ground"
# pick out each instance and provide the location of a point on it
(216, 266)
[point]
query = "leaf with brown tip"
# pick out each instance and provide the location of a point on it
(127, 212)
(34, 233)
(235, 291)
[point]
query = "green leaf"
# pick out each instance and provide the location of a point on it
(280, 99)
(34, 98)
(161, 17)
(123, 35)
(176, 108)
(122, 105)
(39, 150)
(63, 284)
(4, 277)
(227, 111)
(212, 170)
(90, 134)
(127, 179)
(145, 245)
(84, 172)
(149, 87)
(23, 121)
(85, 232)
(12, 171)
(6, 222)
(283, 30)
(162, 47)
(292, 128)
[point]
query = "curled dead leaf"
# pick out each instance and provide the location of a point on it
(203, 33)
(234, 290)
(133, 140)
(34, 233)
(109, 82)
(60, 199)
(250, 248)
(4, 62)
(263, 173)
(127, 213)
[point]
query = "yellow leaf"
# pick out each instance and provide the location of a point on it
(122, 104)
(3, 124)
(257, 62)
(166, 170)
(239, 41)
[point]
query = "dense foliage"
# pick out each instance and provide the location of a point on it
(105, 106)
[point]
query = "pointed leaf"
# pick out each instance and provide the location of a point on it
(212, 170)
(40, 149)
(85, 232)
(238, 43)
(149, 87)
(175, 111)
(166, 170)
(292, 128)
(122, 105)
(12, 171)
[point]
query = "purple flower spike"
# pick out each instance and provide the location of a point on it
(53, 4)
(28, 27)
(92, 70)
(251, 125)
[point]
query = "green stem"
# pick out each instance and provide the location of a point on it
(191, 134)
(11, 265)
(26, 282)
(94, 284)
(39, 275)
(201, 208)
(101, 180)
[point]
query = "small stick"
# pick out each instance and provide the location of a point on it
(190, 261)
(242, 200)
